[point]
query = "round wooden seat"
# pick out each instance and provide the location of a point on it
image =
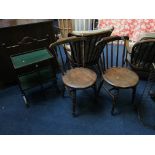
(79, 78)
(121, 77)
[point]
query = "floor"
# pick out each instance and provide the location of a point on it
(52, 114)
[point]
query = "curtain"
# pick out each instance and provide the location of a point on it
(83, 24)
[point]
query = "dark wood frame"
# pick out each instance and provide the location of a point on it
(12, 34)
(30, 44)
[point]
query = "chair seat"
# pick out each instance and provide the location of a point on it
(121, 77)
(79, 78)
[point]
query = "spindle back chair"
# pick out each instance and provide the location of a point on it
(113, 66)
(76, 76)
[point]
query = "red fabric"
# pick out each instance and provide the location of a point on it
(131, 27)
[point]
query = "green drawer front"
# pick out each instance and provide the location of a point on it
(29, 58)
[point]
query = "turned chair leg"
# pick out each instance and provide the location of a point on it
(114, 110)
(113, 106)
(100, 86)
(133, 97)
(95, 93)
(56, 85)
(63, 90)
(73, 92)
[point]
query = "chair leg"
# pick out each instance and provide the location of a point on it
(114, 110)
(73, 92)
(63, 90)
(95, 92)
(56, 85)
(113, 106)
(100, 86)
(133, 97)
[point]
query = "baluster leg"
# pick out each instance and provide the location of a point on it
(73, 92)
(133, 97)
(95, 93)
(114, 110)
(100, 86)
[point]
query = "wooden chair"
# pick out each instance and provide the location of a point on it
(142, 57)
(90, 57)
(113, 66)
(74, 77)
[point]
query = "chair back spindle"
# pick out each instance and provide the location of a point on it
(113, 52)
(90, 56)
(76, 44)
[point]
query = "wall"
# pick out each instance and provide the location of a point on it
(131, 27)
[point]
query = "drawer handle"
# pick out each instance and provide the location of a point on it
(37, 66)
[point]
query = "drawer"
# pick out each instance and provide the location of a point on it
(34, 67)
